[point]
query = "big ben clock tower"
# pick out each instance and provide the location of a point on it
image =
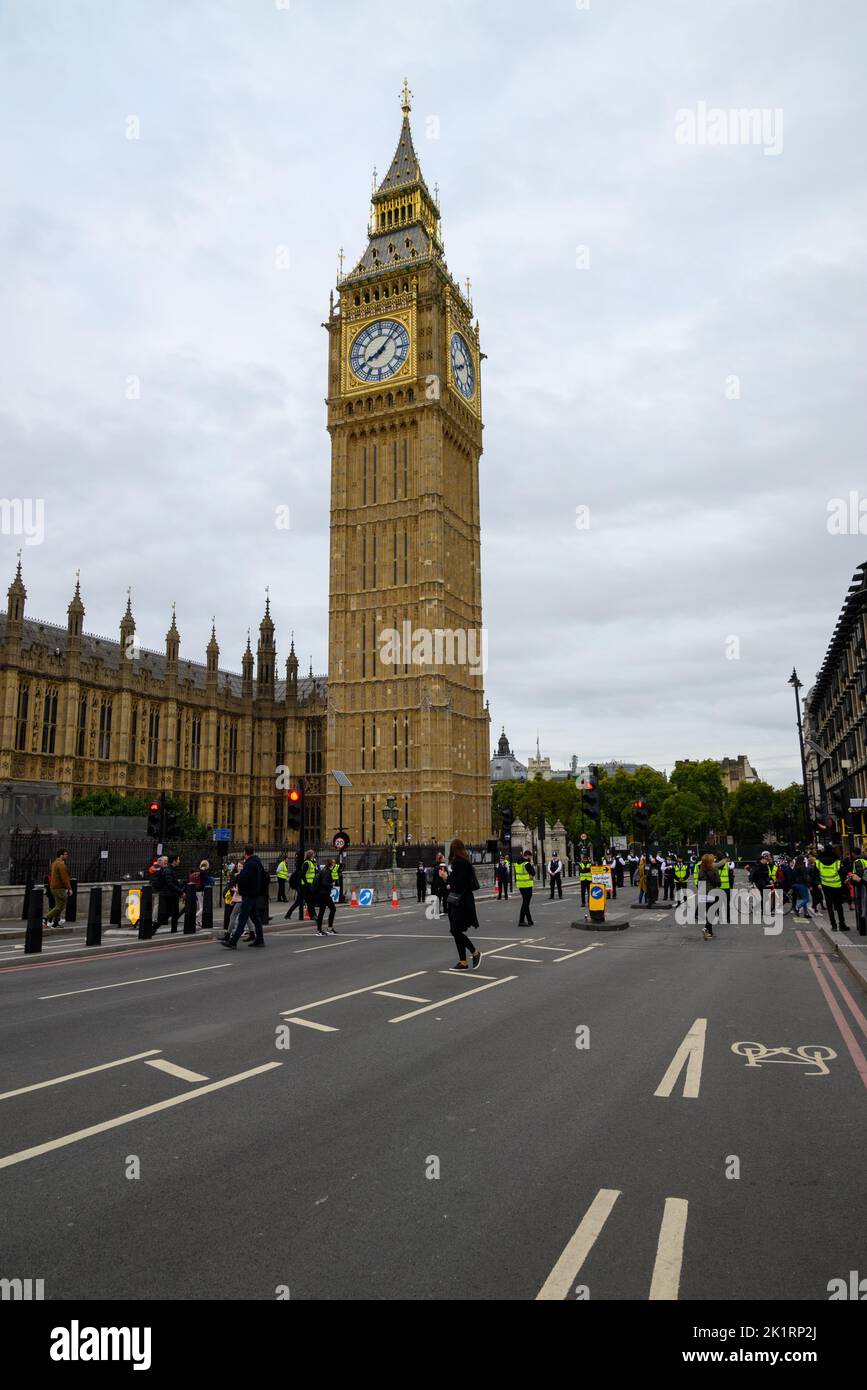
(406, 711)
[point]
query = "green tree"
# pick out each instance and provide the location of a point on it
(788, 813)
(751, 813)
(679, 820)
(704, 781)
(113, 804)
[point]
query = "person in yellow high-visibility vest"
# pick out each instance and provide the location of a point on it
(282, 874)
(308, 874)
(681, 876)
(584, 868)
(830, 865)
(524, 875)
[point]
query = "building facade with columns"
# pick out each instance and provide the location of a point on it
(93, 714)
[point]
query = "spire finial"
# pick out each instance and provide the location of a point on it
(78, 583)
(340, 259)
(405, 102)
(267, 600)
(18, 571)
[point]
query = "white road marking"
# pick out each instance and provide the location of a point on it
(333, 998)
(74, 1075)
(526, 960)
(9, 1160)
(669, 1250)
(582, 952)
(410, 998)
(464, 994)
(346, 941)
(174, 1070)
(145, 980)
(475, 974)
(562, 1276)
(308, 1023)
(689, 1054)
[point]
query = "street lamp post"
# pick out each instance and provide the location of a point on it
(389, 815)
(797, 687)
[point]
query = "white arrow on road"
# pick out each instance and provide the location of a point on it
(689, 1054)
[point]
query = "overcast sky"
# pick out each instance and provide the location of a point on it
(607, 385)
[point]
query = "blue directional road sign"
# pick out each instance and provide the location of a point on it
(335, 894)
(365, 897)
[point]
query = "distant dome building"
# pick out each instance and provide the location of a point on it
(504, 765)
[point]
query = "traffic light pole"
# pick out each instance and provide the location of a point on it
(808, 819)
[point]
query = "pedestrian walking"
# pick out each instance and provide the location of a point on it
(249, 885)
(619, 867)
(815, 880)
(201, 879)
(308, 874)
(438, 885)
(323, 884)
(169, 889)
(420, 884)
(281, 873)
(632, 862)
(460, 883)
(60, 888)
(504, 878)
(709, 896)
(525, 872)
(555, 876)
(297, 888)
(801, 888)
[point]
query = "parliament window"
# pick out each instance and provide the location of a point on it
(375, 467)
(363, 752)
(196, 742)
(21, 716)
(233, 746)
(364, 474)
(82, 727)
(153, 737)
(103, 751)
(49, 721)
(394, 741)
(313, 747)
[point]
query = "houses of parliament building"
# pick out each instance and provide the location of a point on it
(86, 713)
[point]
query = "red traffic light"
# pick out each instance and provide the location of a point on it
(294, 795)
(154, 806)
(638, 805)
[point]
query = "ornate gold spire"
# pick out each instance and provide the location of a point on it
(405, 98)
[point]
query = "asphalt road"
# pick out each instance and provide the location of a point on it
(427, 1135)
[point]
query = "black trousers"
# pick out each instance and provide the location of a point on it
(632, 869)
(834, 903)
(503, 887)
(526, 895)
(299, 903)
(669, 886)
(325, 903)
(421, 892)
(556, 881)
(462, 941)
(281, 890)
(585, 889)
(168, 910)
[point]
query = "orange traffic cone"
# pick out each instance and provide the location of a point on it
(353, 901)
(394, 901)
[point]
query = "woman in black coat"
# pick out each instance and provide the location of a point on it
(460, 882)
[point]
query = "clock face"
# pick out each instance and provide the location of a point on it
(462, 366)
(379, 350)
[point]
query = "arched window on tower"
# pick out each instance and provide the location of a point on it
(21, 716)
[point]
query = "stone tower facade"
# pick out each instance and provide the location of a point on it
(406, 710)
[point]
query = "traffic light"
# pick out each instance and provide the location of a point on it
(507, 815)
(154, 819)
(295, 810)
(172, 819)
(590, 800)
(641, 814)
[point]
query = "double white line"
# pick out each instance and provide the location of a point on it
(665, 1280)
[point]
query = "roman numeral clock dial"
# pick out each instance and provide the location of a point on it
(379, 350)
(463, 371)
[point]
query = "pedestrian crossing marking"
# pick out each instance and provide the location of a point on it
(174, 1070)
(441, 1004)
(410, 998)
(309, 1023)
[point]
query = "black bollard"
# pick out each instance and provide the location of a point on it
(72, 902)
(33, 934)
(189, 910)
(94, 918)
(25, 907)
(208, 909)
(114, 915)
(146, 912)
